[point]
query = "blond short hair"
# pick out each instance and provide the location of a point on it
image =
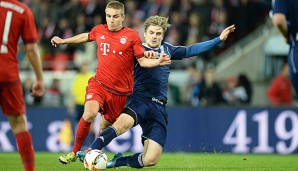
(116, 5)
(157, 21)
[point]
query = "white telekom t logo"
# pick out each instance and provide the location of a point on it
(105, 47)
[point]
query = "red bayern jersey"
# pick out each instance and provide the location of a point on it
(16, 20)
(116, 53)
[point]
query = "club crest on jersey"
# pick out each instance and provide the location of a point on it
(123, 39)
(89, 96)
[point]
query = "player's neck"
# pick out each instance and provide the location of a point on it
(152, 47)
(118, 29)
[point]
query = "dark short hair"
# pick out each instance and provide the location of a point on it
(116, 5)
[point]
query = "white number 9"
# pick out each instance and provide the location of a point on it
(286, 134)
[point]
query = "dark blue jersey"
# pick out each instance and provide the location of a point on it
(290, 9)
(153, 82)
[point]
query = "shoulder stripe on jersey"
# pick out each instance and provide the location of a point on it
(172, 45)
(169, 52)
(162, 49)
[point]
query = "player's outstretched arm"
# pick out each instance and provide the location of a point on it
(225, 33)
(80, 38)
(148, 62)
(201, 47)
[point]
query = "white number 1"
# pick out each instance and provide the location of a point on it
(3, 48)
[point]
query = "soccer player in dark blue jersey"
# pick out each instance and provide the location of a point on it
(147, 105)
(285, 18)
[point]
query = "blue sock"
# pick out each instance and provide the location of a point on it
(122, 161)
(104, 138)
(134, 161)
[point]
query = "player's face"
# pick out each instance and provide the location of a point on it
(114, 19)
(153, 36)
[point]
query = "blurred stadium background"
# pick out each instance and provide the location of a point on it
(202, 117)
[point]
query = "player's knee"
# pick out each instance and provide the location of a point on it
(150, 161)
(89, 116)
(123, 124)
(18, 123)
(121, 127)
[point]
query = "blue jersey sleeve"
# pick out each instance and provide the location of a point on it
(175, 52)
(201, 47)
(180, 52)
(280, 6)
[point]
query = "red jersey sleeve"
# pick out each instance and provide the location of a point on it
(137, 46)
(29, 32)
(92, 34)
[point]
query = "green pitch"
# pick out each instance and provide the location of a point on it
(171, 161)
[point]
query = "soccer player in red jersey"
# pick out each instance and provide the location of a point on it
(118, 46)
(16, 20)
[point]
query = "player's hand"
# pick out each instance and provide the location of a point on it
(151, 54)
(37, 89)
(56, 41)
(164, 59)
(225, 33)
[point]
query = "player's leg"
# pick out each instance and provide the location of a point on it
(153, 120)
(150, 156)
(96, 96)
(121, 122)
(90, 112)
(113, 107)
(152, 153)
(154, 137)
(103, 124)
(120, 126)
(14, 107)
(23, 140)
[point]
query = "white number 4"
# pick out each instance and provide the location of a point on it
(240, 138)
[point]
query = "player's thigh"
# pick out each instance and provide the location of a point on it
(94, 100)
(152, 152)
(114, 106)
(123, 123)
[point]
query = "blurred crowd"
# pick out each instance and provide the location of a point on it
(204, 89)
(191, 21)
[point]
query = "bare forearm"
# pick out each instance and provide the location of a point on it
(280, 22)
(34, 58)
(148, 63)
(80, 38)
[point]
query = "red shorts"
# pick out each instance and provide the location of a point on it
(111, 105)
(11, 98)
